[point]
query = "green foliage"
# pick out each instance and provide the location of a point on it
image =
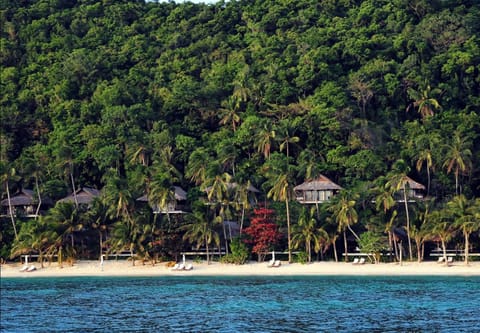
(271, 92)
(239, 253)
(301, 257)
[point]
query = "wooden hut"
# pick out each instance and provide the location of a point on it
(415, 191)
(84, 196)
(24, 203)
(176, 206)
(316, 191)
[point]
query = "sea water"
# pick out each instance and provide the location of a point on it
(241, 304)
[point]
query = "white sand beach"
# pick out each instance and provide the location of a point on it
(125, 268)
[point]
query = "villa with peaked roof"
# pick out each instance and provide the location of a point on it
(176, 206)
(25, 203)
(316, 191)
(415, 191)
(84, 195)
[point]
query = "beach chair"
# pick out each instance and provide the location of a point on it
(174, 268)
(440, 260)
(24, 268)
(188, 267)
(361, 261)
(277, 263)
(355, 261)
(450, 261)
(31, 268)
(271, 263)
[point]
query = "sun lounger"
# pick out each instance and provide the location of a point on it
(450, 261)
(174, 268)
(271, 263)
(361, 261)
(24, 268)
(277, 263)
(31, 268)
(355, 261)
(440, 260)
(188, 267)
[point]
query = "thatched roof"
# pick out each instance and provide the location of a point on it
(414, 185)
(180, 194)
(26, 198)
(85, 195)
(321, 183)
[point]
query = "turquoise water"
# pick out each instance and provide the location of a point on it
(241, 304)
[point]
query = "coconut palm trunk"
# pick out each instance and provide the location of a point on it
(407, 215)
(10, 210)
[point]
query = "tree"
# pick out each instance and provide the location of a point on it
(6, 173)
(345, 215)
(466, 217)
(441, 227)
(278, 179)
(458, 157)
(263, 232)
(307, 233)
(426, 145)
(200, 231)
(424, 102)
(398, 181)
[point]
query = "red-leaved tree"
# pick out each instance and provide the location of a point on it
(262, 233)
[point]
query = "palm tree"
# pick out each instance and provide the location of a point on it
(67, 164)
(263, 139)
(384, 201)
(65, 216)
(458, 157)
(99, 221)
(197, 165)
(441, 227)
(281, 191)
(343, 212)
(423, 101)
(307, 232)
(466, 214)
(398, 181)
(229, 112)
(426, 145)
(200, 231)
(6, 174)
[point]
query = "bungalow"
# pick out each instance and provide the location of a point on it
(316, 191)
(83, 196)
(415, 191)
(176, 206)
(25, 204)
(231, 188)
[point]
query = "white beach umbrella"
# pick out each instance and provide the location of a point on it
(183, 257)
(273, 255)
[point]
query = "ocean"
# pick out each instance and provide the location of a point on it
(241, 304)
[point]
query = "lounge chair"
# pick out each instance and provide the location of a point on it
(355, 261)
(450, 261)
(440, 260)
(271, 263)
(174, 268)
(361, 261)
(24, 268)
(277, 263)
(31, 268)
(188, 267)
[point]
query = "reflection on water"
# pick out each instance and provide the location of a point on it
(240, 304)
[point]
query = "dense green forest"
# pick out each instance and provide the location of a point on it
(133, 97)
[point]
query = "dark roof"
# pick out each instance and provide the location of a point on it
(85, 195)
(321, 183)
(414, 185)
(26, 198)
(180, 194)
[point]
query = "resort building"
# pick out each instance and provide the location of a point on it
(415, 191)
(82, 196)
(316, 191)
(25, 203)
(174, 206)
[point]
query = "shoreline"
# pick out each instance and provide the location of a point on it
(113, 268)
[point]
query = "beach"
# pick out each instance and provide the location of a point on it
(125, 268)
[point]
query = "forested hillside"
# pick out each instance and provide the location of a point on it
(134, 97)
